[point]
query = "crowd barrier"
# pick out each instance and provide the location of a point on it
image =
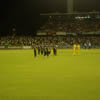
(2, 47)
(30, 47)
(15, 47)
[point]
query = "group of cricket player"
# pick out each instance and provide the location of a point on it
(44, 51)
(76, 49)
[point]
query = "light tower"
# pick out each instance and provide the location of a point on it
(69, 6)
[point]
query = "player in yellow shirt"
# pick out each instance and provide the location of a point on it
(74, 49)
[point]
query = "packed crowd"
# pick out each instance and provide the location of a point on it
(50, 40)
(71, 24)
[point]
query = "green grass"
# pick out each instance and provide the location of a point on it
(64, 77)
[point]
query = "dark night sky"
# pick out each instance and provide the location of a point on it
(25, 13)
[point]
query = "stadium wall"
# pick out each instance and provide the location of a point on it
(15, 47)
(30, 47)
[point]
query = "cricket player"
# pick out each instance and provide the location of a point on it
(39, 50)
(55, 51)
(74, 49)
(35, 54)
(78, 49)
(49, 51)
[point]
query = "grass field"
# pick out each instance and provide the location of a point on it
(64, 77)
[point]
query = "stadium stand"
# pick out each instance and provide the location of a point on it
(61, 30)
